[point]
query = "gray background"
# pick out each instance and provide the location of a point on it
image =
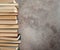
(39, 22)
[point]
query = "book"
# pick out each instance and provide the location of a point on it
(8, 26)
(8, 17)
(8, 45)
(8, 13)
(10, 38)
(10, 42)
(8, 48)
(8, 21)
(6, 1)
(3, 31)
(9, 4)
(8, 34)
(8, 9)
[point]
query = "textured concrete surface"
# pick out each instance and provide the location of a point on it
(39, 24)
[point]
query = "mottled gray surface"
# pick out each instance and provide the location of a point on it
(40, 24)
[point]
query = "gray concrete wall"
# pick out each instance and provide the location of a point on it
(39, 22)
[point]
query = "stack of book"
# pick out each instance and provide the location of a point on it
(9, 36)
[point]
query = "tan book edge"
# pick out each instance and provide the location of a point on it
(6, 41)
(8, 9)
(9, 4)
(8, 45)
(8, 48)
(8, 13)
(8, 31)
(8, 26)
(8, 38)
(8, 17)
(8, 22)
(8, 35)
(6, 1)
